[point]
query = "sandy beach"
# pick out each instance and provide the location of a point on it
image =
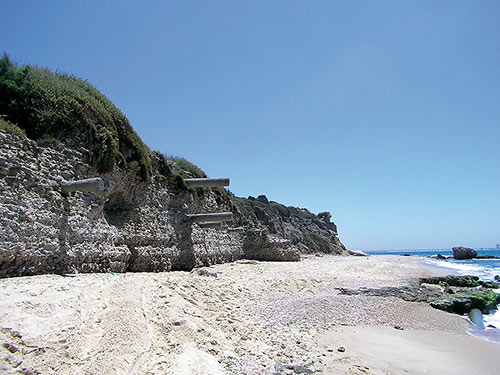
(236, 318)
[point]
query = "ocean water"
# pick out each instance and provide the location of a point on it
(485, 269)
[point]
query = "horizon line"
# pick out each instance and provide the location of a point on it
(434, 249)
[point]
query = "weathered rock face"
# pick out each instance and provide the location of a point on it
(131, 226)
(310, 233)
(262, 246)
(357, 253)
(461, 252)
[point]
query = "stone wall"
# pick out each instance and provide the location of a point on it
(131, 226)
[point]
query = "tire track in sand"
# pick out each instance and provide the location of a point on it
(116, 336)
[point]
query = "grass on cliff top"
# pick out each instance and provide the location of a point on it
(189, 170)
(9, 127)
(47, 104)
(187, 166)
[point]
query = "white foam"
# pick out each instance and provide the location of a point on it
(485, 273)
(461, 268)
(492, 318)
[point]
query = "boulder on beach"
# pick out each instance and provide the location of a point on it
(357, 253)
(476, 317)
(439, 256)
(461, 252)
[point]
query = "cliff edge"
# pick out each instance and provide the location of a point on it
(56, 128)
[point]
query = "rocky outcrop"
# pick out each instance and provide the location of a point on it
(130, 224)
(482, 256)
(454, 294)
(258, 245)
(310, 233)
(89, 195)
(465, 281)
(357, 253)
(461, 252)
(133, 225)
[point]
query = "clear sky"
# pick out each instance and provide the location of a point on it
(385, 113)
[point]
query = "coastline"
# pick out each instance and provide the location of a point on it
(236, 318)
(492, 335)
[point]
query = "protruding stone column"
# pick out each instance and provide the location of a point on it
(237, 230)
(211, 224)
(206, 182)
(219, 217)
(90, 185)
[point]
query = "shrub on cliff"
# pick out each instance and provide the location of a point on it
(47, 104)
(11, 128)
(187, 166)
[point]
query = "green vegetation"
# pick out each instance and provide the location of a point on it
(221, 194)
(483, 301)
(192, 172)
(188, 166)
(46, 104)
(11, 128)
(462, 300)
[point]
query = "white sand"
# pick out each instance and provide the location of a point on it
(239, 318)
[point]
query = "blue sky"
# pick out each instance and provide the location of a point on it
(385, 113)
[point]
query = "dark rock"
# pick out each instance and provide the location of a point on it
(11, 348)
(461, 252)
(407, 293)
(466, 281)
(263, 199)
(458, 306)
(308, 232)
(299, 369)
(263, 216)
(399, 328)
(484, 301)
(341, 349)
(439, 256)
(462, 281)
(457, 299)
(486, 257)
(295, 368)
(357, 253)
(205, 272)
(490, 284)
(325, 216)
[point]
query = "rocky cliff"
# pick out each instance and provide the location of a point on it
(56, 128)
(309, 232)
(133, 225)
